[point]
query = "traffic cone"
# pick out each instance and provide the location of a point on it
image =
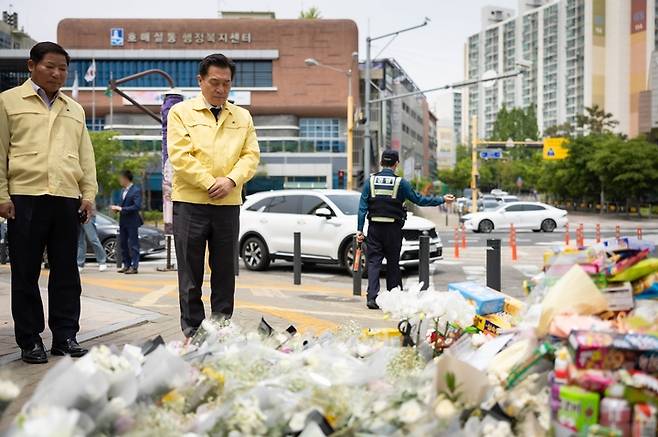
(639, 233)
(566, 236)
(456, 243)
(512, 241)
(598, 233)
(618, 232)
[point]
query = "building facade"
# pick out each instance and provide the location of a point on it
(12, 38)
(406, 124)
(580, 53)
(299, 111)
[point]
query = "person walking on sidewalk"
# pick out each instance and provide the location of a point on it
(129, 222)
(213, 151)
(47, 188)
(89, 232)
(382, 201)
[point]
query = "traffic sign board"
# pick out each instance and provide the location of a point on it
(554, 148)
(491, 154)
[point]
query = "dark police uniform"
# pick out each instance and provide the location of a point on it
(382, 200)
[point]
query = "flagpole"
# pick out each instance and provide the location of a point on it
(93, 97)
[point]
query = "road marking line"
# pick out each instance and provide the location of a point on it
(266, 292)
(154, 296)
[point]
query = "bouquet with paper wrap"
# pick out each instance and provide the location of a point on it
(574, 293)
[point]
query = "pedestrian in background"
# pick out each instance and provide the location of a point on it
(382, 201)
(47, 188)
(213, 151)
(129, 222)
(89, 232)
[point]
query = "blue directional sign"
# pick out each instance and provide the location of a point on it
(491, 154)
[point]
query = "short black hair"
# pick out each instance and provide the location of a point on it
(127, 174)
(218, 60)
(41, 49)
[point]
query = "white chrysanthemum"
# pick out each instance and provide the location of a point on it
(8, 390)
(445, 409)
(50, 421)
(410, 412)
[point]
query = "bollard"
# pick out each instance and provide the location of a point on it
(566, 236)
(456, 243)
(598, 233)
(424, 262)
(297, 258)
(639, 233)
(117, 251)
(618, 232)
(463, 236)
(356, 274)
(493, 264)
(580, 238)
(512, 241)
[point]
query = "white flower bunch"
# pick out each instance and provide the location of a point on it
(8, 390)
(48, 421)
(102, 358)
(446, 307)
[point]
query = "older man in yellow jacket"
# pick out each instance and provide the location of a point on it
(47, 188)
(213, 151)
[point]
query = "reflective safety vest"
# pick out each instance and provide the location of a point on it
(384, 205)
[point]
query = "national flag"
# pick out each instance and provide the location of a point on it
(76, 87)
(91, 71)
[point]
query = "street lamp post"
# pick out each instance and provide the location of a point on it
(311, 62)
(366, 134)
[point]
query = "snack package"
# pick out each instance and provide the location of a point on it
(644, 421)
(612, 351)
(619, 296)
(578, 408)
(637, 271)
(492, 323)
(617, 414)
(485, 299)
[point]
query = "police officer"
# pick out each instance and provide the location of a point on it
(382, 200)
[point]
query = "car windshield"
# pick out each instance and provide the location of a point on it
(347, 203)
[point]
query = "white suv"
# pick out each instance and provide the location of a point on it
(327, 221)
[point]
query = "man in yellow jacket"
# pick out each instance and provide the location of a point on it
(47, 188)
(213, 152)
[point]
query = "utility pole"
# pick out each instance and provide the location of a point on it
(367, 148)
(474, 164)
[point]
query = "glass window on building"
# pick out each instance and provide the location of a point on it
(248, 74)
(324, 133)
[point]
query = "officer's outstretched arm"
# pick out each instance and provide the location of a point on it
(415, 197)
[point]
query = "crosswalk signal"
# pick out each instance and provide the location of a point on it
(341, 178)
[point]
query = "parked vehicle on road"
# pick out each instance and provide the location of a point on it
(151, 240)
(498, 193)
(508, 199)
(523, 215)
(327, 221)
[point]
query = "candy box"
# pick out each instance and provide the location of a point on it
(619, 296)
(603, 431)
(485, 299)
(578, 408)
(492, 323)
(612, 351)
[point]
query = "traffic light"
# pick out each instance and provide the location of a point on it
(341, 178)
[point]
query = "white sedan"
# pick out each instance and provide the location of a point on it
(523, 215)
(327, 221)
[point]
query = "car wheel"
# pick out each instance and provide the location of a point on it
(348, 260)
(536, 230)
(110, 247)
(548, 225)
(255, 255)
(486, 226)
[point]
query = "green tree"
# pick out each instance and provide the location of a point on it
(596, 120)
(559, 130)
(106, 151)
(517, 124)
(312, 13)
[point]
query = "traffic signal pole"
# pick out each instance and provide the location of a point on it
(474, 164)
